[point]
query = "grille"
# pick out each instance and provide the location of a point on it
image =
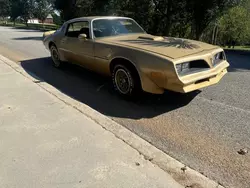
(198, 64)
(192, 67)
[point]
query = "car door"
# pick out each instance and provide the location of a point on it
(76, 50)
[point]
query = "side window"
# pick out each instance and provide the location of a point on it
(77, 28)
(71, 28)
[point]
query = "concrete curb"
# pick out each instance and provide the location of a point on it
(182, 174)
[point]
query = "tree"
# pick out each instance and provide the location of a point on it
(57, 19)
(156, 16)
(163, 15)
(67, 8)
(183, 18)
(85, 8)
(100, 7)
(235, 26)
(206, 11)
(42, 9)
(130, 8)
(5, 8)
(15, 10)
(27, 9)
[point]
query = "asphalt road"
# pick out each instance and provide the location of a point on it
(203, 129)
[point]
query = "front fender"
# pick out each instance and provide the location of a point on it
(151, 68)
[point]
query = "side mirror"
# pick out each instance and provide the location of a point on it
(82, 37)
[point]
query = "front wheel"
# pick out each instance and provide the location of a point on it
(55, 56)
(125, 81)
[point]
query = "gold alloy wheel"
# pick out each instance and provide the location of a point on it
(122, 81)
(55, 56)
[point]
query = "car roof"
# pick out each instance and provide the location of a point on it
(90, 18)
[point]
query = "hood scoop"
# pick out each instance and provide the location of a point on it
(152, 38)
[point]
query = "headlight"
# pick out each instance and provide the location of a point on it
(217, 56)
(179, 68)
(183, 67)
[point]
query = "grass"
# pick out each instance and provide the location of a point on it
(240, 48)
(42, 27)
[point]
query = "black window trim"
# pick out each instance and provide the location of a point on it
(107, 18)
(67, 28)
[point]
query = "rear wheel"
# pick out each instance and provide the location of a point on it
(55, 56)
(125, 81)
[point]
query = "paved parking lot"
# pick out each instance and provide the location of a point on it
(203, 129)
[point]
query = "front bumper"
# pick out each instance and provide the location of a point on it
(199, 80)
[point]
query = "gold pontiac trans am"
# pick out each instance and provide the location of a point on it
(120, 48)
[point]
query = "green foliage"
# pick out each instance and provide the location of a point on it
(22, 8)
(26, 9)
(187, 18)
(206, 11)
(67, 8)
(5, 8)
(235, 26)
(57, 19)
(15, 10)
(205, 20)
(42, 8)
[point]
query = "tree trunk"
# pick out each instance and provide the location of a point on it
(216, 35)
(43, 24)
(198, 33)
(169, 18)
(213, 35)
(167, 28)
(193, 31)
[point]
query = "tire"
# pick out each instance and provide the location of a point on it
(55, 56)
(126, 81)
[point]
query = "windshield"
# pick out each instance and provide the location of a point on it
(114, 27)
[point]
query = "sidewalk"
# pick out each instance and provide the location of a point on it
(45, 143)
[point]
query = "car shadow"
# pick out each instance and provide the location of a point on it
(97, 91)
(27, 30)
(239, 61)
(29, 38)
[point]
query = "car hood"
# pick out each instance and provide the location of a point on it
(170, 47)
